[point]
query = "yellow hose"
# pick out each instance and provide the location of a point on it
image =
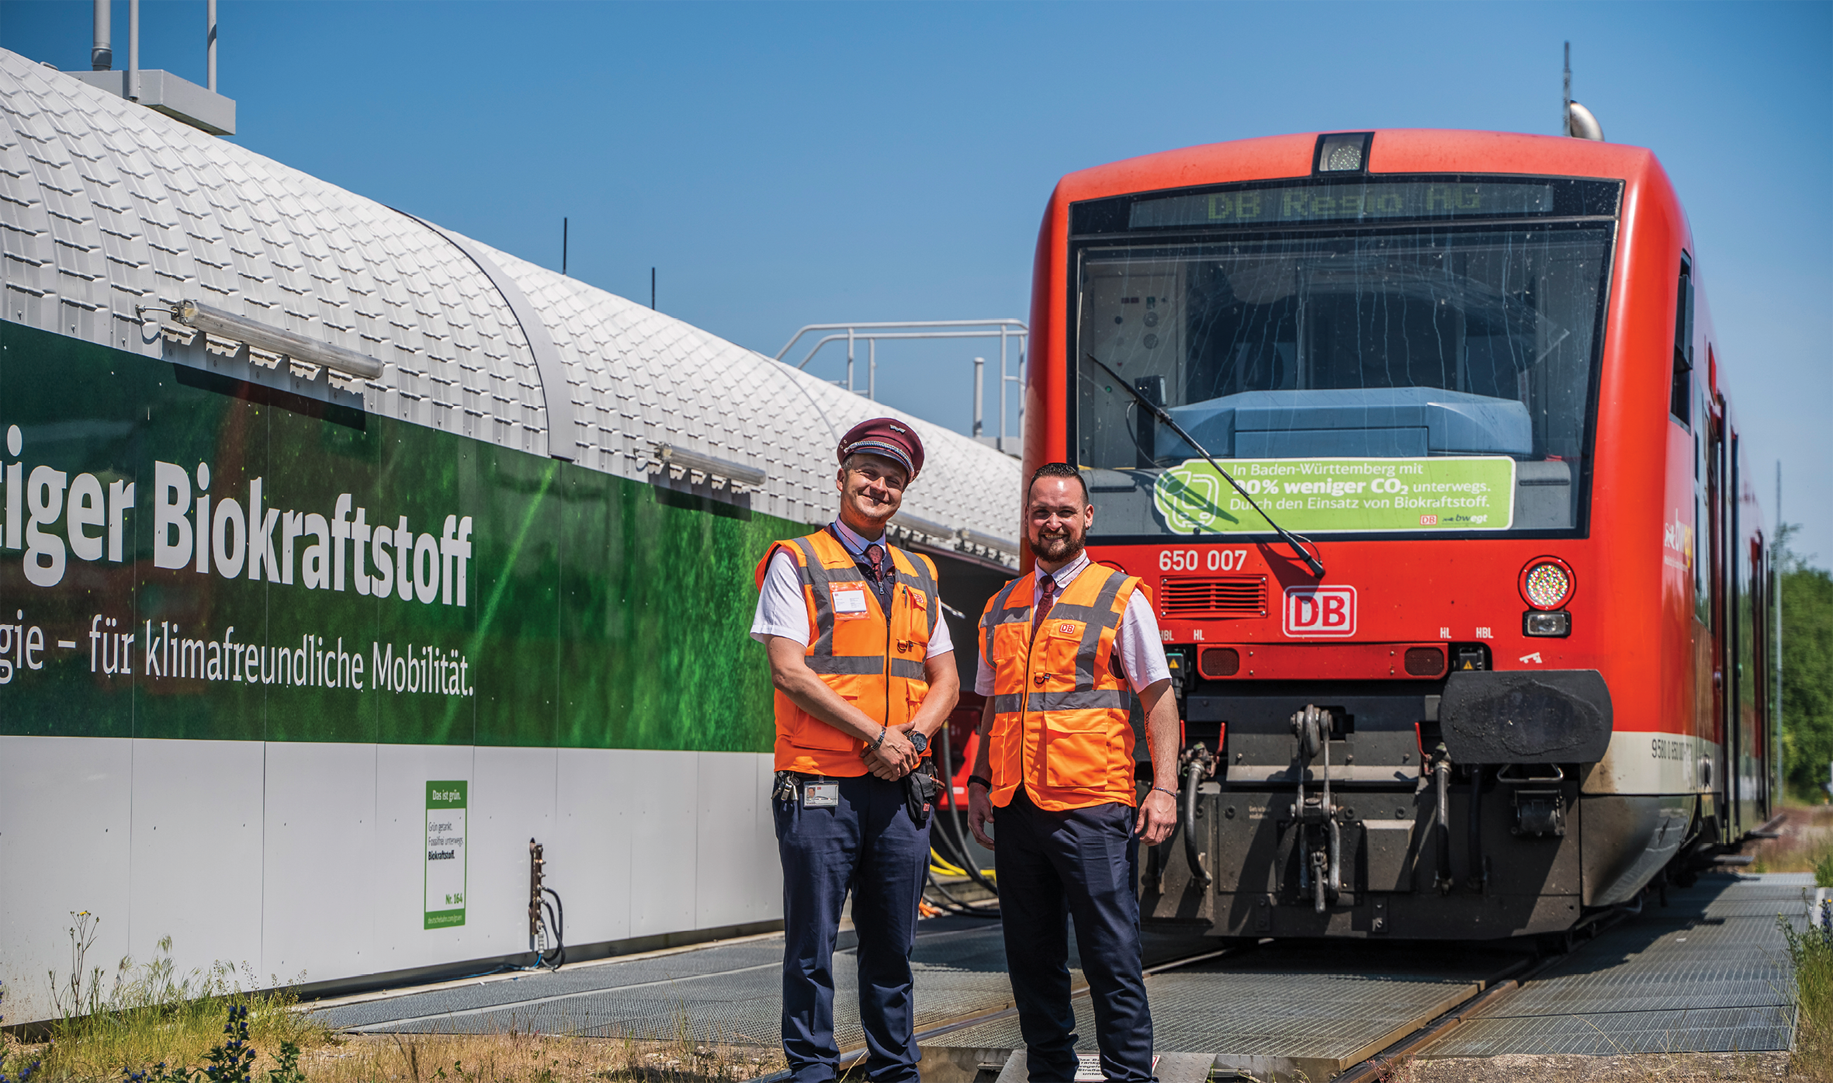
(940, 866)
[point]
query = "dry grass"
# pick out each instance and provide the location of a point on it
(1646, 1068)
(1806, 844)
(534, 1058)
(480, 1058)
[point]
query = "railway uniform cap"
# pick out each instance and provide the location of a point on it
(887, 437)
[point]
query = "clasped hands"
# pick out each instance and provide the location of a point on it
(895, 756)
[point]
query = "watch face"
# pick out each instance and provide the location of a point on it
(919, 741)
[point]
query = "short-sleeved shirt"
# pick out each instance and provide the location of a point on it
(783, 611)
(1137, 641)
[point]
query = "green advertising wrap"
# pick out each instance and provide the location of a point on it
(1325, 496)
(185, 555)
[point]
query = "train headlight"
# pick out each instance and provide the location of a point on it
(1547, 583)
(1536, 623)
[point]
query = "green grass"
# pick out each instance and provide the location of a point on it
(1811, 952)
(146, 1015)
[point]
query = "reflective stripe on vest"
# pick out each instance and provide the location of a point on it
(1061, 722)
(872, 659)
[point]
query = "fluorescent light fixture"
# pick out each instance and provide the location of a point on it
(261, 336)
(919, 525)
(988, 541)
(711, 465)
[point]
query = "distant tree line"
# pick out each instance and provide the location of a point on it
(1807, 671)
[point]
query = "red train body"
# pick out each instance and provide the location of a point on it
(1449, 358)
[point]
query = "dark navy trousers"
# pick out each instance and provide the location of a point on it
(869, 845)
(1082, 862)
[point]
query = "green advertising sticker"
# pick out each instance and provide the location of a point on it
(1327, 496)
(445, 853)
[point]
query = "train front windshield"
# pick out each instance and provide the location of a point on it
(1387, 357)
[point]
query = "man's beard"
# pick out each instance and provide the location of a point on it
(1058, 548)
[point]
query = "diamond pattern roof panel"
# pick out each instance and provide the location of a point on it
(106, 206)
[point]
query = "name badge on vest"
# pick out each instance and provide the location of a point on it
(849, 601)
(820, 794)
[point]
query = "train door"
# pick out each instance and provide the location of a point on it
(1753, 680)
(1720, 585)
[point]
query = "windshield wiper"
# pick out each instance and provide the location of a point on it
(1291, 539)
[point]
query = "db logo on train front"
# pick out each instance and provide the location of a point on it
(1320, 611)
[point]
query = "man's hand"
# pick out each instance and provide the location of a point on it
(895, 757)
(979, 813)
(1157, 817)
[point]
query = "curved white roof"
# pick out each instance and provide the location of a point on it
(106, 206)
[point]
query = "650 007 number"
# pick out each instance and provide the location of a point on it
(1202, 560)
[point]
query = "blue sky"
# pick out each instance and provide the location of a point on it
(799, 163)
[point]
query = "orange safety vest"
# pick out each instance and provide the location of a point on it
(1060, 710)
(875, 663)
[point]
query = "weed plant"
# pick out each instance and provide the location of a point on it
(16, 1065)
(150, 1024)
(1811, 952)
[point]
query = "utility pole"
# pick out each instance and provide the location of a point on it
(652, 289)
(1775, 575)
(1565, 105)
(562, 247)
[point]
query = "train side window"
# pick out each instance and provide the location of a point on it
(1680, 398)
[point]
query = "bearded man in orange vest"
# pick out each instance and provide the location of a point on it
(1063, 651)
(865, 675)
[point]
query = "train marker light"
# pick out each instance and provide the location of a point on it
(1342, 152)
(1424, 661)
(1547, 583)
(1546, 624)
(1219, 661)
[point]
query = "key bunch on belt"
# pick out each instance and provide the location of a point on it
(785, 789)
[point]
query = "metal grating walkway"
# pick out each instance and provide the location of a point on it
(722, 992)
(1706, 974)
(1285, 1008)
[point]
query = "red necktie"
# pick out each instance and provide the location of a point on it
(1043, 604)
(876, 554)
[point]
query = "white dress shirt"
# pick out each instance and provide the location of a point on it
(782, 609)
(1137, 640)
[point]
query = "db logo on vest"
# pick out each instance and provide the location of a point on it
(1320, 611)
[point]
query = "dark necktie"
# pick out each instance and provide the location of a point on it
(1043, 604)
(875, 556)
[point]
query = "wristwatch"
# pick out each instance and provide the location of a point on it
(919, 741)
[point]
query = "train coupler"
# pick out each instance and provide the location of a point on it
(1320, 868)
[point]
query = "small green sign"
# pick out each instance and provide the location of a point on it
(1328, 496)
(445, 853)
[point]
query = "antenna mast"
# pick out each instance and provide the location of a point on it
(1565, 105)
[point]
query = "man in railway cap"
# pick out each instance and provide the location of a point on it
(864, 675)
(1063, 651)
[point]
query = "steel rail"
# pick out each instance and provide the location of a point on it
(1496, 990)
(852, 1057)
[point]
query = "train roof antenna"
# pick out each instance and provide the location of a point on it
(1291, 539)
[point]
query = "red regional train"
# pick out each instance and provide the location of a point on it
(1503, 670)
